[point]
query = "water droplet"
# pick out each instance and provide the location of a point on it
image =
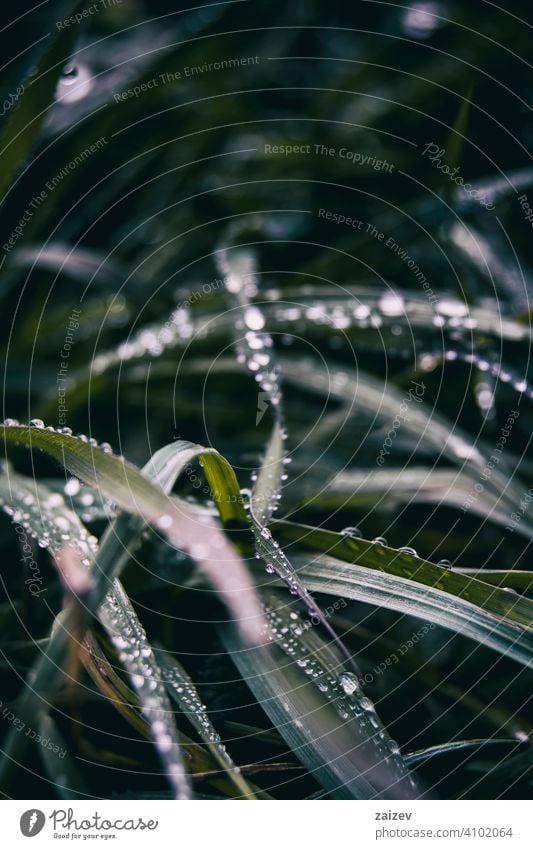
(36, 423)
(367, 705)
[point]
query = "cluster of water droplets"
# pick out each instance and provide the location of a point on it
(339, 688)
(255, 348)
(190, 703)
(46, 518)
(137, 656)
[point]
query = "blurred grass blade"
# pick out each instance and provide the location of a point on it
(61, 767)
(423, 422)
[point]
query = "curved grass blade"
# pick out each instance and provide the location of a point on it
(170, 461)
(256, 349)
(116, 548)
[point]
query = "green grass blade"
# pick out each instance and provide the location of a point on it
(323, 715)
